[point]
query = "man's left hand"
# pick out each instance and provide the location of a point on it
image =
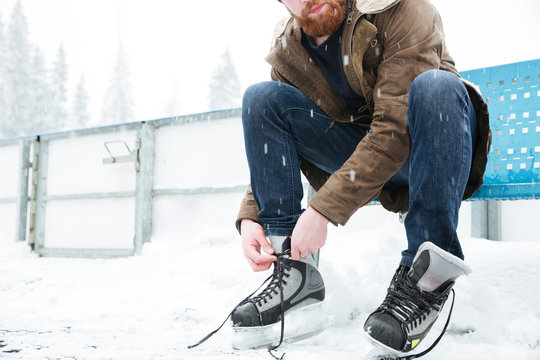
(309, 234)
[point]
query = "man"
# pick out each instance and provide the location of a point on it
(366, 101)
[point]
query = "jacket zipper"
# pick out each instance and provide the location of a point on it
(350, 11)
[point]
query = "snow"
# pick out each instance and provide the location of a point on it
(9, 161)
(192, 273)
(152, 306)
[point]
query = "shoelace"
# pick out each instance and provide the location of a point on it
(276, 281)
(411, 304)
(275, 284)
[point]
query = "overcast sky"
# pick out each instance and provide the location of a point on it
(173, 46)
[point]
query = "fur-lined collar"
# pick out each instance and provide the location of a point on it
(374, 6)
(364, 6)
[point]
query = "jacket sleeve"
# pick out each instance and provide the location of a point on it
(248, 209)
(412, 40)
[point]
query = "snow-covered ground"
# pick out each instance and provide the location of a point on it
(193, 273)
(153, 306)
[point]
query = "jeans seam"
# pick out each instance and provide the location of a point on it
(288, 168)
(303, 109)
(462, 157)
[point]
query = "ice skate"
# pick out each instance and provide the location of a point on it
(288, 309)
(414, 300)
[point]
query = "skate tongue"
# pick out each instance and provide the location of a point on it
(433, 267)
(280, 244)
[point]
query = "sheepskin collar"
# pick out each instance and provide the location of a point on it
(374, 6)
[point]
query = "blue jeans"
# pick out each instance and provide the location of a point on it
(281, 123)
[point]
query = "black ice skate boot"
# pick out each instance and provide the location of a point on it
(289, 308)
(414, 299)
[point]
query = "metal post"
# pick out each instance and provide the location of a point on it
(22, 199)
(145, 180)
(38, 201)
(479, 224)
(486, 220)
(494, 220)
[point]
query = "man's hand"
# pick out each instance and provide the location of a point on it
(309, 234)
(253, 239)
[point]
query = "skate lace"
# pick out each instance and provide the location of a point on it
(411, 305)
(281, 268)
(276, 282)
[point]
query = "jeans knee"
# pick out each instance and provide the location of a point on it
(254, 103)
(436, 85)
(264, 102)
(259, 95)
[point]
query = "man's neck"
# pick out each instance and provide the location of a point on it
(319, 40)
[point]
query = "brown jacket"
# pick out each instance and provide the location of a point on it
(381, 58)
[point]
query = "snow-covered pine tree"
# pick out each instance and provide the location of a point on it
(224, 85)
(17, 74)
(81, 115)
(40, 96)
(58, 90)
(118, 105)
(3, 104)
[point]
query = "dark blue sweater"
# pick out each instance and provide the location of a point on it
(328, 57)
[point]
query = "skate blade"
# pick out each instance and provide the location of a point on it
(300, 324)
(381, 351)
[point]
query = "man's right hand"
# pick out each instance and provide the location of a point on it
(253, 239)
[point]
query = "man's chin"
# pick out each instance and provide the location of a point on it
(320, 31)
(323, 23)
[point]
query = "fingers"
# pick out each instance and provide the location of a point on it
(259, 261)
(295, 252)
(299, 247)
(298, 254)
(258, 267)
(265, 244)
(253, 254)
(253, 240)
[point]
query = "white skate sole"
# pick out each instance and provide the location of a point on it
(300, 323)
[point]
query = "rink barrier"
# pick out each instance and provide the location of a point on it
(32, 196)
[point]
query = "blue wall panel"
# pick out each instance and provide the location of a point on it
(513, 95)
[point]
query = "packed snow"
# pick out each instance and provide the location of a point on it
(154, 305)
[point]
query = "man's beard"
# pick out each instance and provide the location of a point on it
(324, 23)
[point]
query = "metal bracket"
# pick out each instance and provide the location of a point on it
(132, 157)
